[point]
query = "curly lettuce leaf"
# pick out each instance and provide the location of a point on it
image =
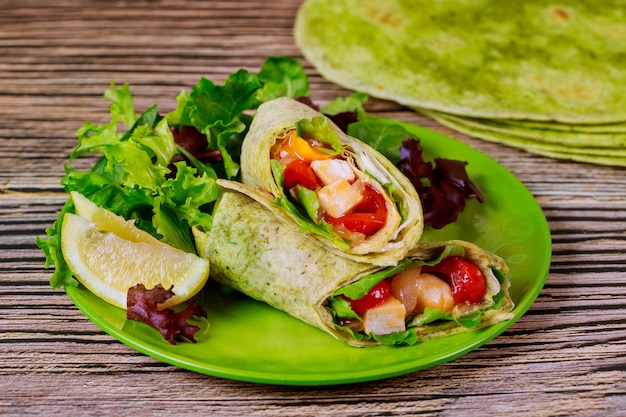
(103, 187)
(51, 246)
(319, 128)
(282, 77)
(133, 179)
(218, 111)
(215, 109)
(179, 206)
(121, 103)
(352, 103)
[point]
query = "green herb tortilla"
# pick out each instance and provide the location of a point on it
(543, 143)
(531, 126)
(606, 140)
(543, 77)
(530, 60)
(253, 250)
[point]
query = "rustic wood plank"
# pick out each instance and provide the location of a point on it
(565, 356)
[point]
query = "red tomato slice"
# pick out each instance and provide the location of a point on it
(299, 171)
(366, 223)
(373, 201)
(379, 293)
(466, 279)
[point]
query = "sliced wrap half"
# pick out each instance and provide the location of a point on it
(253, 250)
(340, 192)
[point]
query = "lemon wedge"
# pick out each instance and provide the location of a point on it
(111, 222)
(109, 255)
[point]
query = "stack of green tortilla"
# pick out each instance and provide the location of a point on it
(545, 77)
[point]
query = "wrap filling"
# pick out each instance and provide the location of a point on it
(320, 180)
(395, 305)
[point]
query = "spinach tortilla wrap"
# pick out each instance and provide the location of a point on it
(254, 251)
(529, 60)
(596, 148)
(340, 192)
(540, 76)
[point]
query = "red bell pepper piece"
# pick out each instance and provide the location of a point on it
(299, 171)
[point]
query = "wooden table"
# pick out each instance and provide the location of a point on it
(565, 357)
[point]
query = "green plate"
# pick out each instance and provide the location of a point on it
(250, 341)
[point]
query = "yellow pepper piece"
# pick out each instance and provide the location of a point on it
(303, 149)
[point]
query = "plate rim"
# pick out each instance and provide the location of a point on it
(322, 378)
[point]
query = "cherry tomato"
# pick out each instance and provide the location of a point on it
(299, 171)
(369, 215)
(372, 202)
(379, 293)
(466, 279)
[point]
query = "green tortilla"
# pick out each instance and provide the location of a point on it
(588, 154)
(529, 125)
(529, 60)
(608, 142)
(253, 250)
(386, 246)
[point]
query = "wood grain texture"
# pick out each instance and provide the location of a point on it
(565, 357)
